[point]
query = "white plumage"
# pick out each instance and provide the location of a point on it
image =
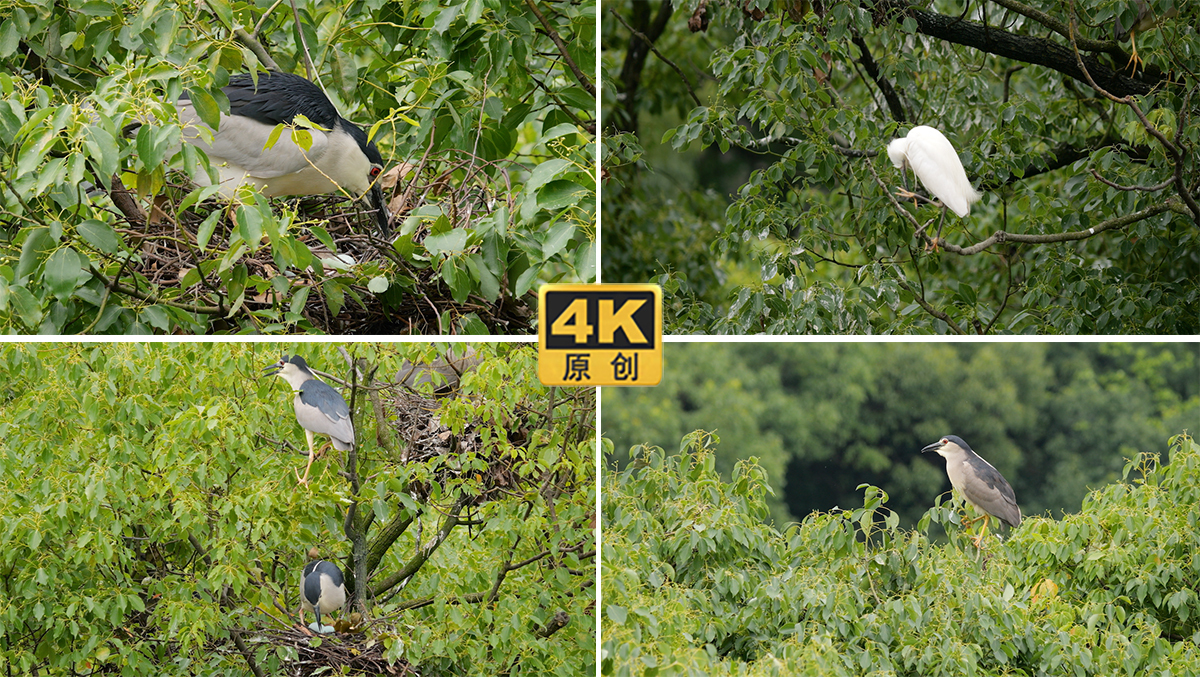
(935, 162)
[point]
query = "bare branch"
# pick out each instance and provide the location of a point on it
(642, 36)
(562, 49)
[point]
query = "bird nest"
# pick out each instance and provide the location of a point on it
(425, 437)
(339, 300)
(333, 654)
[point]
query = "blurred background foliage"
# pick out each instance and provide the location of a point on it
(745, 167)
(1057, 419)
(695, 583)
(153, 523)
(486, 121)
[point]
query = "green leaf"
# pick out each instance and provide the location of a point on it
(9, 38)
(489, 285)
(561, 193)
(545, 173)
(378, 284)
(557, 239)
(62, 273)
(205, 232)
(335, 295)
(26, 305)
(617, 614)
(206, 107)
(38, 244)
(157, 317)
(102, 149)
(526, 280)
(453, 241)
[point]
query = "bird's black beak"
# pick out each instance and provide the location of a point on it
(382, 218)
(933, 447)
(272, 369)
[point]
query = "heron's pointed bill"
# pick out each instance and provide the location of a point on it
(273, 369)
(374, 198)
(933, 447)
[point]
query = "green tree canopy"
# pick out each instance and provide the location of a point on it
(483, 112)
(696, 584)
(153, 523)
(1057, 419)
(787, 221)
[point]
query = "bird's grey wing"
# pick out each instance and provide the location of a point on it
(333, 571)
(326, 412)
(935, 162)
(994, 495)
(241, 141)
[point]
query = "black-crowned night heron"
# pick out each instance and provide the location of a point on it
(320, 409)
(1144, 19)
(340, 159)
(980, 484)
(322, 590)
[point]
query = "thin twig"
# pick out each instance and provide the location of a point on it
(642, 36)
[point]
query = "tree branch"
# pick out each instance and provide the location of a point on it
(686, 83)
(992, 40)
(885, 85)
(451, 520)
(1001, 236)
(930, 309)
(562, 49)
(635, 60)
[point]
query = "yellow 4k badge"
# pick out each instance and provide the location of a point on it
(600, 334)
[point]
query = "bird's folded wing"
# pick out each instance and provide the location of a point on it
(242, 141)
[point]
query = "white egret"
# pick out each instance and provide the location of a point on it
(935, 162)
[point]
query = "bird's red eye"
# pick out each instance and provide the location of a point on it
(375, 172)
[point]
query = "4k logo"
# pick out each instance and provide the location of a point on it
(600, 334)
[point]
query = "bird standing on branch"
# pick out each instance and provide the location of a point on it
(935, 162)
(980, 484)
(319, 408)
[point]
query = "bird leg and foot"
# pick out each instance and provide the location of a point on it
(1135, 61)
(978, 538)
(312, 456)
(938, 238)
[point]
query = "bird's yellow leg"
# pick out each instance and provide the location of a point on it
(905, 193)
(311, 455)
(978, 538)
(1134, 59)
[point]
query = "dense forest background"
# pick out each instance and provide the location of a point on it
(1056, 419)
(743, 150)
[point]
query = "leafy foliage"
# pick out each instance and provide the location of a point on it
(1056, 419)
(1090, 218)
(153, 523)
(696, 584)
(483, 116)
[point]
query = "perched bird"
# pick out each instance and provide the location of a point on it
(340, 159)
(322, 590)
(319, 408)
(1143, 20)
(935, 162)
(979, 483)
